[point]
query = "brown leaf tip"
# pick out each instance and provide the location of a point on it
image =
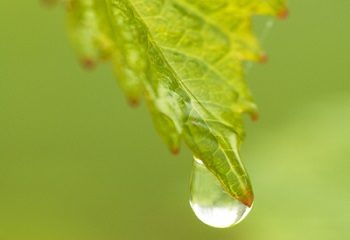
(283, 14)
(255, 117)
(175, 151)
(134, 102)
(249, 199)
(88, 63)
(263, 58)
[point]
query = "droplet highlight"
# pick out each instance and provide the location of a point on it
(210, 202)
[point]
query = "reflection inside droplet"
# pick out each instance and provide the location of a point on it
(210, 202)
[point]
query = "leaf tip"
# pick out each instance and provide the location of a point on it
(248, 200)
(283, 14)
(255, 117)
(134, 102)
(88, 63)
(263, 58)
(175, 151)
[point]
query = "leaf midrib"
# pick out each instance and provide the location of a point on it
(192, 96)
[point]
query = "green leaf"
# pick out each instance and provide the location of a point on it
(89, 30)
(186, 57)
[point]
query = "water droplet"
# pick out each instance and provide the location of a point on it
(210, 202)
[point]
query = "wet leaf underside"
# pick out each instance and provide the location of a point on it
(185, 57)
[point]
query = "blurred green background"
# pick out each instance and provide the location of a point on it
(76, 162)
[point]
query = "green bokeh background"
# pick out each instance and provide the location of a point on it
(77, 163)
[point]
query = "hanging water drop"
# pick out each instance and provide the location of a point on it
(210, 202)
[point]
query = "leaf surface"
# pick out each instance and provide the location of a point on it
(186, 57)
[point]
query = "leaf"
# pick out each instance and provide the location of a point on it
(186, 57)
(89, 30)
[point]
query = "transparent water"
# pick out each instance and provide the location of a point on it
(210, 202)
